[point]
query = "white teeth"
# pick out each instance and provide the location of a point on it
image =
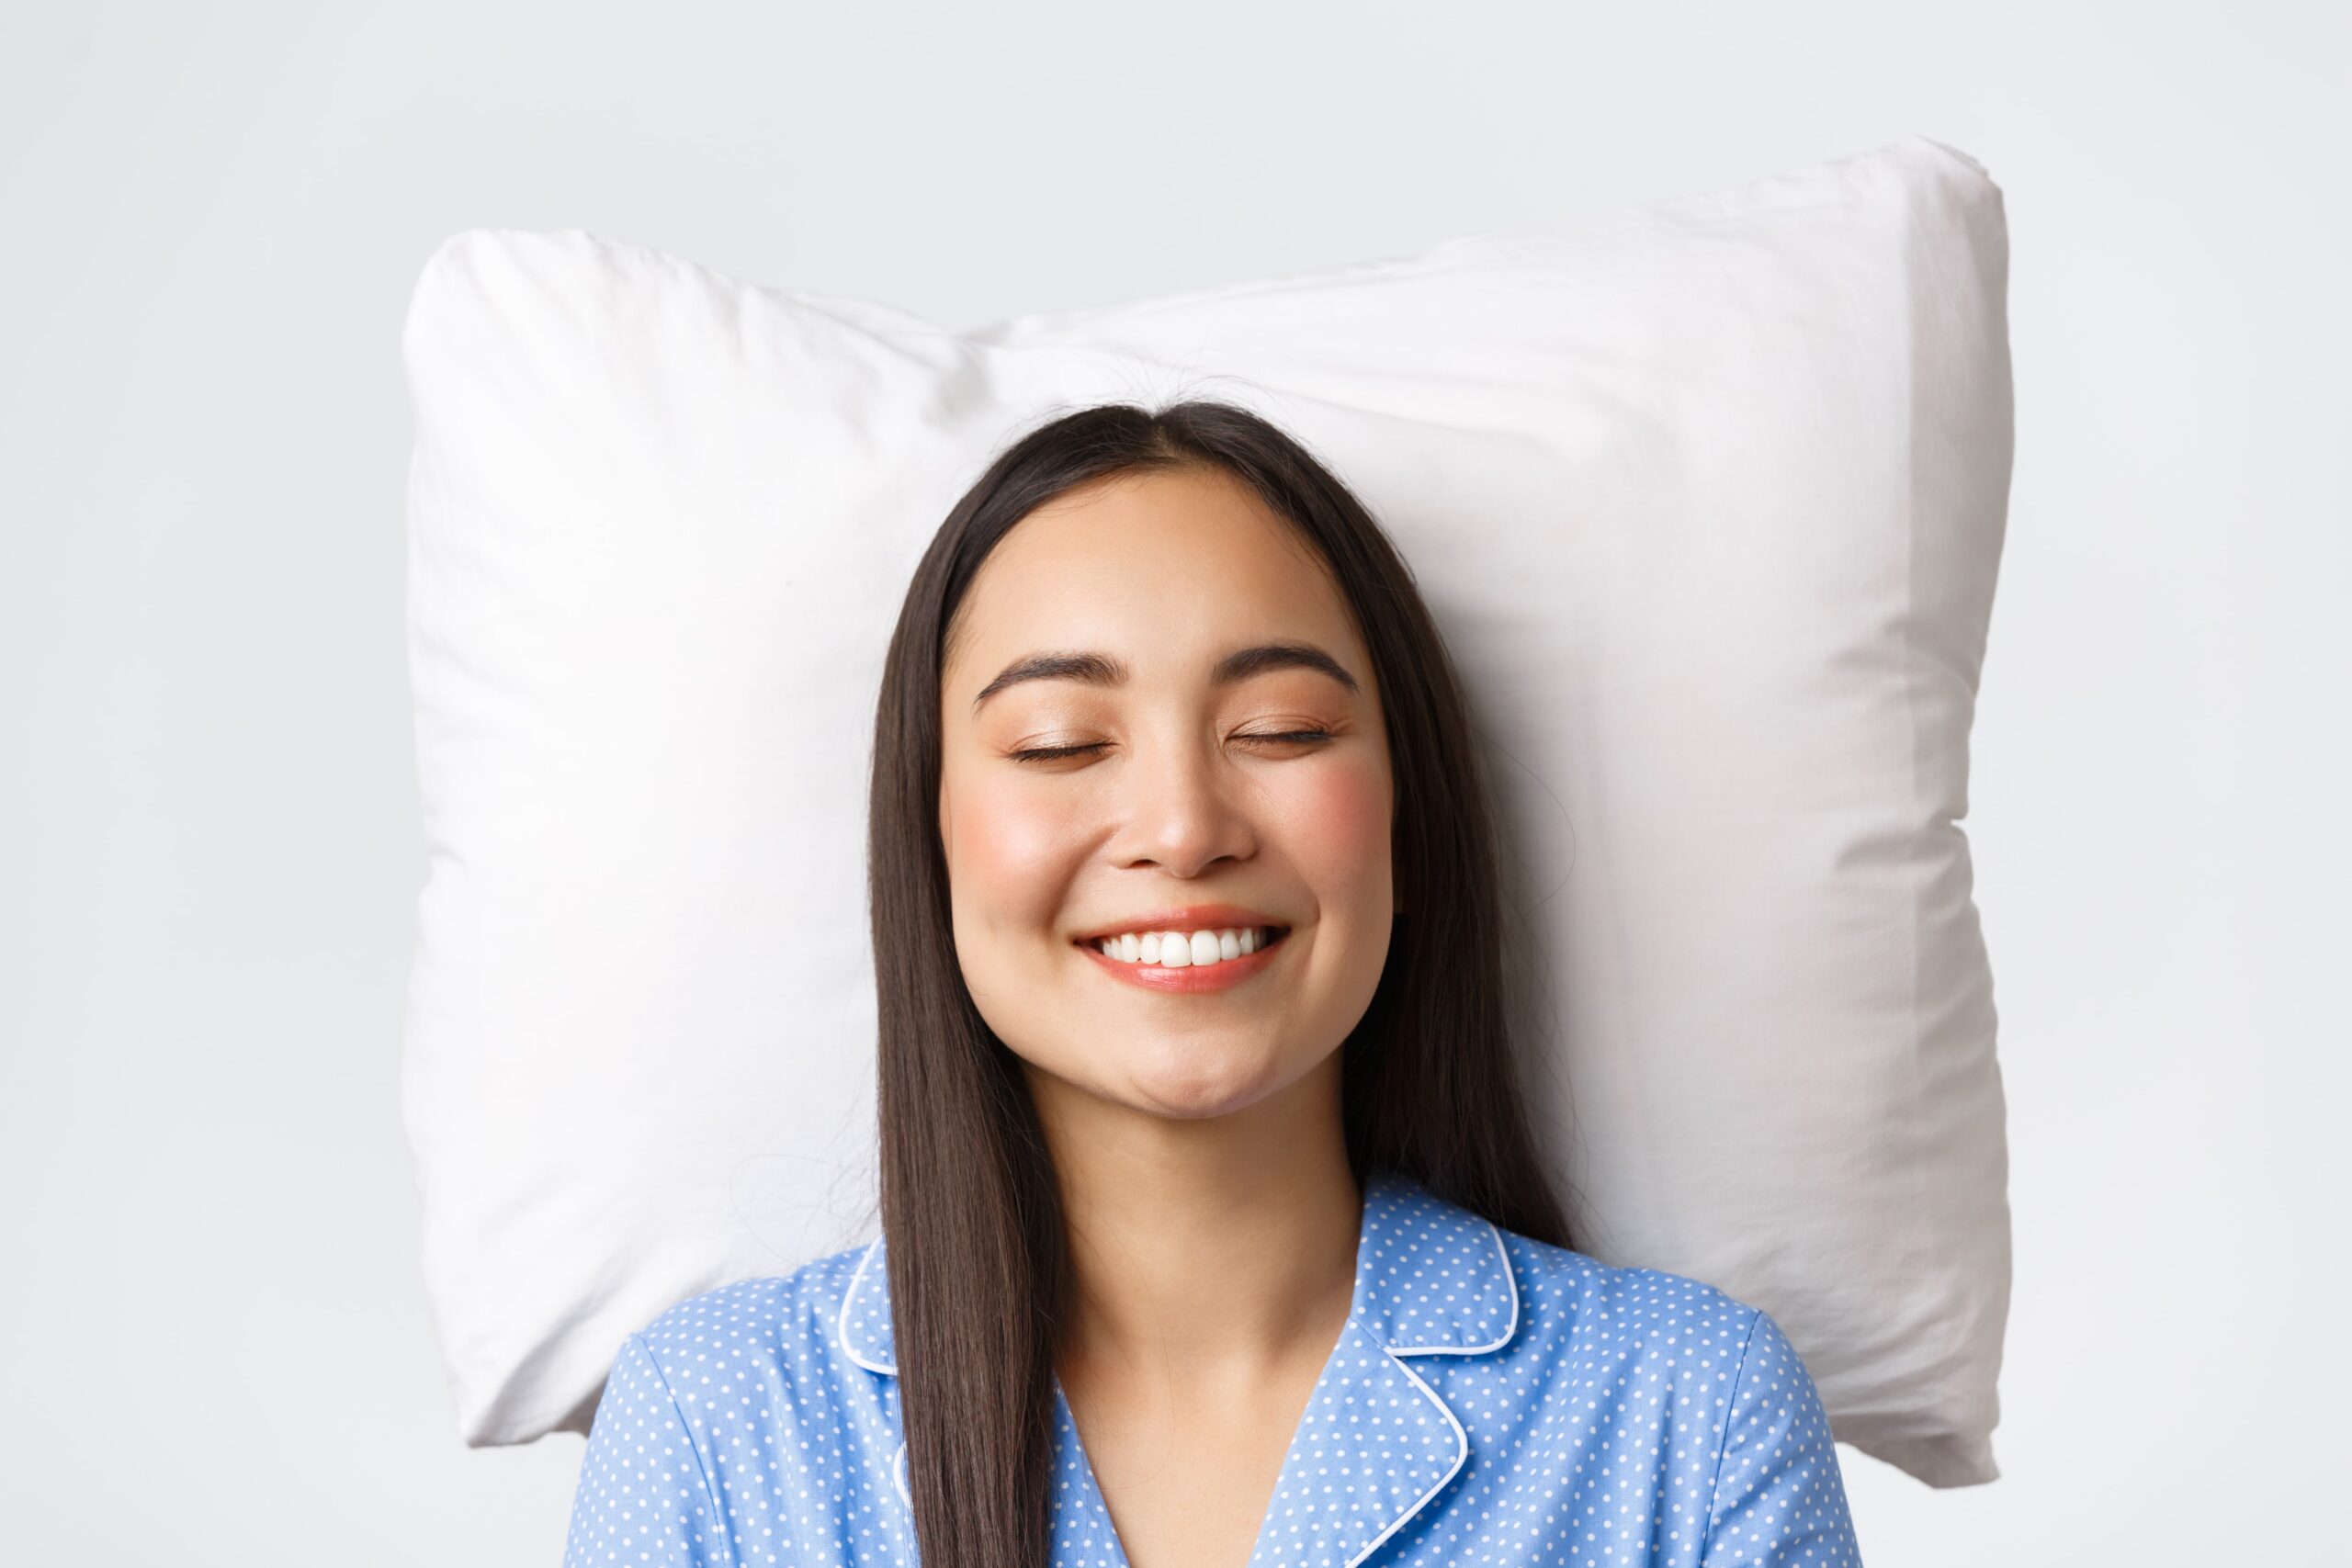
(1179, 950)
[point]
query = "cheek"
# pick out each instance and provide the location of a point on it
(1338, 823)
(1005, 851)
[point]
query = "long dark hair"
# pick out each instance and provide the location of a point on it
(1429, 1087)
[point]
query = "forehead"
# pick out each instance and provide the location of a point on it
(1163, 569)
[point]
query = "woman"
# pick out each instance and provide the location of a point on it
(1214, 1231)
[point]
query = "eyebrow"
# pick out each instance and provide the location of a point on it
(1102, 670)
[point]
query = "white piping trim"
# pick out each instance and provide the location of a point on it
(1510, 1277)
(1460, 1454)
(1461, 1437)
(840, 1330)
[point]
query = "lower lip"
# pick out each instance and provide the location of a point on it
(1184, 979)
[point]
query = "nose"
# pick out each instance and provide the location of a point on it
(1181, 808)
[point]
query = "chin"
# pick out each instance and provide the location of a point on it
(1190, 1084)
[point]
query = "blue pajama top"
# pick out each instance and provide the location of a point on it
(1492, 1402)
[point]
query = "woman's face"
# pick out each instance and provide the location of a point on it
(1186, 793)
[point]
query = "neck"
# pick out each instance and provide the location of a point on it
(1222, 1244)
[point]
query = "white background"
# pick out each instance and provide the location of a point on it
(210, 842)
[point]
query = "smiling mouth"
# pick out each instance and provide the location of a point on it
(1249, 941)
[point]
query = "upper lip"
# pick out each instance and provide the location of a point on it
(1185, 917)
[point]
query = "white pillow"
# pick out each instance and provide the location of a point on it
(1708, 497)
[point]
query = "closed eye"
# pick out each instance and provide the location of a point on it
(1050, 753)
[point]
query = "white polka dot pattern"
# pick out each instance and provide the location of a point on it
(1492, 1402)
(643, 1473)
